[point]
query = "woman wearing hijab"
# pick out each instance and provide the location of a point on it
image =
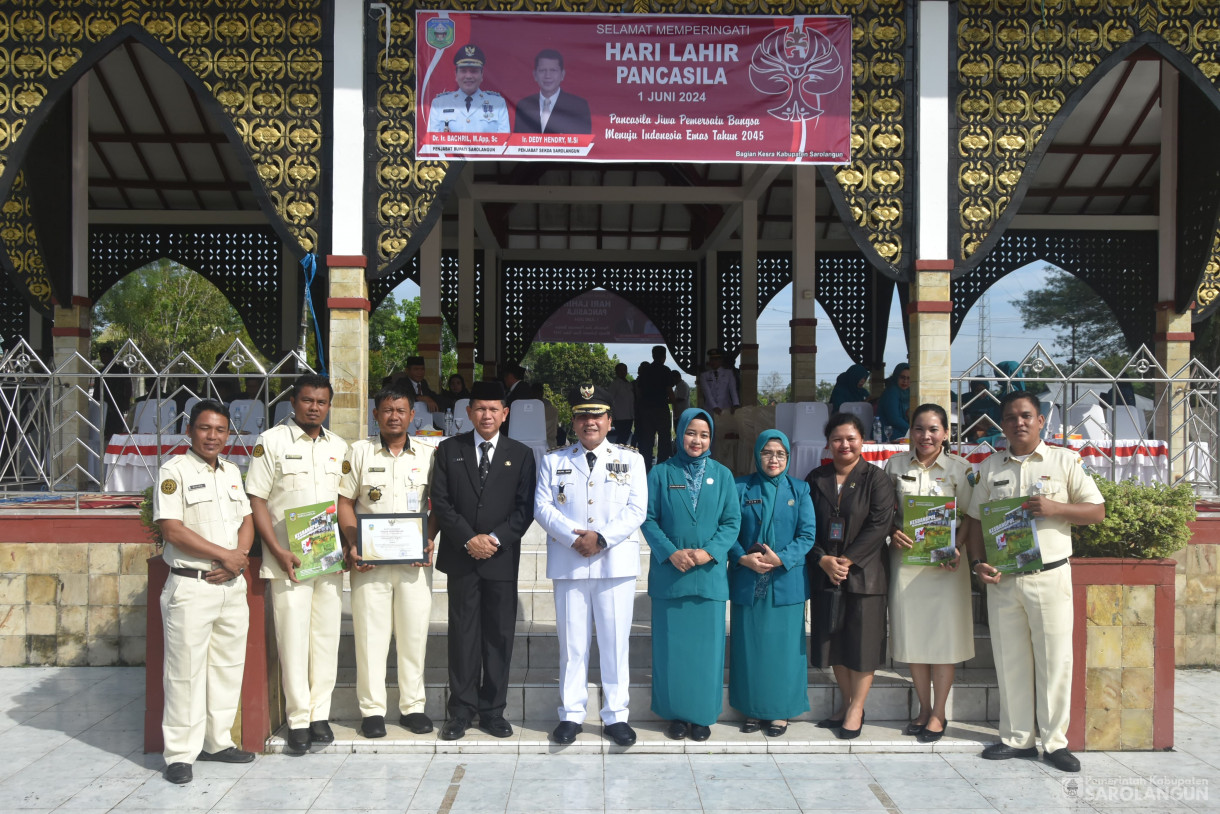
(894, 406)
(852, 385)
(768, 676)
(693, 519)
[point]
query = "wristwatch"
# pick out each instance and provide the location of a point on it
(975, 564)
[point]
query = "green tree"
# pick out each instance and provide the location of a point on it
(167, 309)
(1083, 324)
(394, 335)
(564, 366)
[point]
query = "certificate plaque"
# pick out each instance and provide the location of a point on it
(389, 539)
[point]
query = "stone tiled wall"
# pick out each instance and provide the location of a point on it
(73, 603)
(1196, 624)
(1119, 676)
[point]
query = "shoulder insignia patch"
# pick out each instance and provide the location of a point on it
(973, 477)
(624, 446)
(347, 467)
(258, 451)
(169, 486)
(555, 449)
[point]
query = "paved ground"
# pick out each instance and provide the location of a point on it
(70, 740)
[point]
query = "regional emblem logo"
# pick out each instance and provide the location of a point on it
(439, 33)
(799, 64)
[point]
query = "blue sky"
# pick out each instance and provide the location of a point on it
(1007, 338)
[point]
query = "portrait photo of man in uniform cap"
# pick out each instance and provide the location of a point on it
(551, 110)
(470, 108)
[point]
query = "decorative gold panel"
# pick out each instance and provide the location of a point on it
(260, 59)
(1018, 61)
(875, 191)
(20, 241)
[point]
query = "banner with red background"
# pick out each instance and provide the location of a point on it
(636, 87)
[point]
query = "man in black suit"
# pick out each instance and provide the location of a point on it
(550, 111)
(483, 498)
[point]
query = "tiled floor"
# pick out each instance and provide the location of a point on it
(70, 740)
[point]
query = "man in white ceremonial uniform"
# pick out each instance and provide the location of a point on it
(717, 387)
(1031, 614)
(204, 518)
(469, 109)
(591, 499)
(297, 464)
(388, 475)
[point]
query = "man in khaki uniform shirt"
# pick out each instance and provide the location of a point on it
(1031, 614)
(298, 464)
(388, 475)
(204, 519)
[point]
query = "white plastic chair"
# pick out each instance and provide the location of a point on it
(1129, 423)
(186, 413)
(247, 416)
(283, 411)
(422, 419)
(785, 417)
(1093, 424)
(862, 410)
(808, 437)
(460, 421)
(147, 420)
(528, 425)
(1054, 423)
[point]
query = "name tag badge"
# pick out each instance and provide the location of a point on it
(836, 531)
(909, 477)
(195, 486)
(292, 457)
(677, 486)
(376, 468)
(563, 471)
(752, 502)
(412, 501)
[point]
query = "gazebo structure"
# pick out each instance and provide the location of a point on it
(984, 135)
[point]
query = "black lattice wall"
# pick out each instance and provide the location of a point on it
(381, 288)
(244, 262)
(666, 294)
(855, 296)
(1119, 266)
(14, 313)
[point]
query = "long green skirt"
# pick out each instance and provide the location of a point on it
(688, 659)
(768, 678)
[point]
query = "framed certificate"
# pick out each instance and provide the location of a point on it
(389, 539)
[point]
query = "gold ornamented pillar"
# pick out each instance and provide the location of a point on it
(430, 319)
(930, 310)
(803, 327)
(348, 354)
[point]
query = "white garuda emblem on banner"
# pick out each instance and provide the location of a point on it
(800, 63)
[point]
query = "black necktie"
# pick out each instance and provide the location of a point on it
(468, 103)
(592, 459)
(484, 461)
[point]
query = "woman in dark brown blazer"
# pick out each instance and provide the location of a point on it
(848, 570)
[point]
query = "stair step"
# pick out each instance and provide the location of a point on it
(531, 737)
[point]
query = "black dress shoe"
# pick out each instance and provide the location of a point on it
(830, 723)
(297, 742)
(928, 736)
(699, 732)
(454, 729)
(416, 722)
(179, 773)
(914, 728)
(621, 734)
(677, 730)
(751, 725)
(373, 726)
(497, 727)
(230, 755)
(320, 732)
(566, 732)
(775, 730)
(1063, 760)
(1002, 751)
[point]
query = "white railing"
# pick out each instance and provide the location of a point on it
(56, 423)
(1141, 421)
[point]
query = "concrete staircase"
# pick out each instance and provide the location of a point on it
(534, 691)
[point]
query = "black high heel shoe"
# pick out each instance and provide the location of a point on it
(845, 734)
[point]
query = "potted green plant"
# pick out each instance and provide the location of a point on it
(1123, 592)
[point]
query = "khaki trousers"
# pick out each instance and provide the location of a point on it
(205, 654)
(391, 600)
(1031, 640)
(307, 616)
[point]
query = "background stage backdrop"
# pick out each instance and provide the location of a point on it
(636, 87)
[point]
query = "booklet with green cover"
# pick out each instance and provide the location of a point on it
(313, 535)
(930, 521)
(1010, 536)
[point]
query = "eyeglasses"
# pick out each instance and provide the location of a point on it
(778, 456)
